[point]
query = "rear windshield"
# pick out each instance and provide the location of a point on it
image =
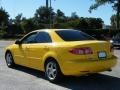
(73, 35)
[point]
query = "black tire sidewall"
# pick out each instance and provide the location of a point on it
(12, 63)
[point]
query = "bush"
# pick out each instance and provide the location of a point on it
(2, 33)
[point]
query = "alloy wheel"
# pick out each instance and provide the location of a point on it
(51, 70)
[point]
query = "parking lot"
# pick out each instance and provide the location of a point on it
(22, 78)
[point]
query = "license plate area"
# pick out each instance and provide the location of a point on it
(102, 55)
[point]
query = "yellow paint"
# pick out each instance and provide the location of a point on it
(35, 55)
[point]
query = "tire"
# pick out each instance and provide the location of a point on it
(9, 60)
(52, 71)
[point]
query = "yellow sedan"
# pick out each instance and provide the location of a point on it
(60, 52)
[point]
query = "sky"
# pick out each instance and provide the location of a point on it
(81, 7)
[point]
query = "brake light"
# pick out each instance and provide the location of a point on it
(81, 51)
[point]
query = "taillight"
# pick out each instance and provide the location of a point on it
(81, 51)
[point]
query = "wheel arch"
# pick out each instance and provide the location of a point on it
(49, 56)
(7, 51)
(49, 59)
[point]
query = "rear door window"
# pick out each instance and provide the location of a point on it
(43, 37)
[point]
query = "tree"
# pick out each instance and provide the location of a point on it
(113, 21)
(94, 23)
(18, 19)
(83, 24)
(74, 15)
(27, 25)
(15, 25)
(60, 17)
(60, 13)
(43, 15)
(116, 6)
(3, 28)
(4, 16)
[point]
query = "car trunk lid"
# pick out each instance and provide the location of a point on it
(100, 49)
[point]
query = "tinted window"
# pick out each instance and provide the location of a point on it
(73, 35)
(43, 37)
(117, 37)
(30, 38)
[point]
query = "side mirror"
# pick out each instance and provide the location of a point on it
(17, 42)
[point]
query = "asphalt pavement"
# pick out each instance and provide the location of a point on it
(21, 78)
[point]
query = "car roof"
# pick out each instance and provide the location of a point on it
(48, 30)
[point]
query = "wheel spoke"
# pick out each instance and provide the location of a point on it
(51, 65)
(53, 76)
(54, 70)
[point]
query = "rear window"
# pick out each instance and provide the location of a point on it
(73, 35)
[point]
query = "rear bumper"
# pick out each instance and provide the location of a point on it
(87, 67)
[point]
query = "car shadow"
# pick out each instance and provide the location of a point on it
(90, 82)
(30, 71)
